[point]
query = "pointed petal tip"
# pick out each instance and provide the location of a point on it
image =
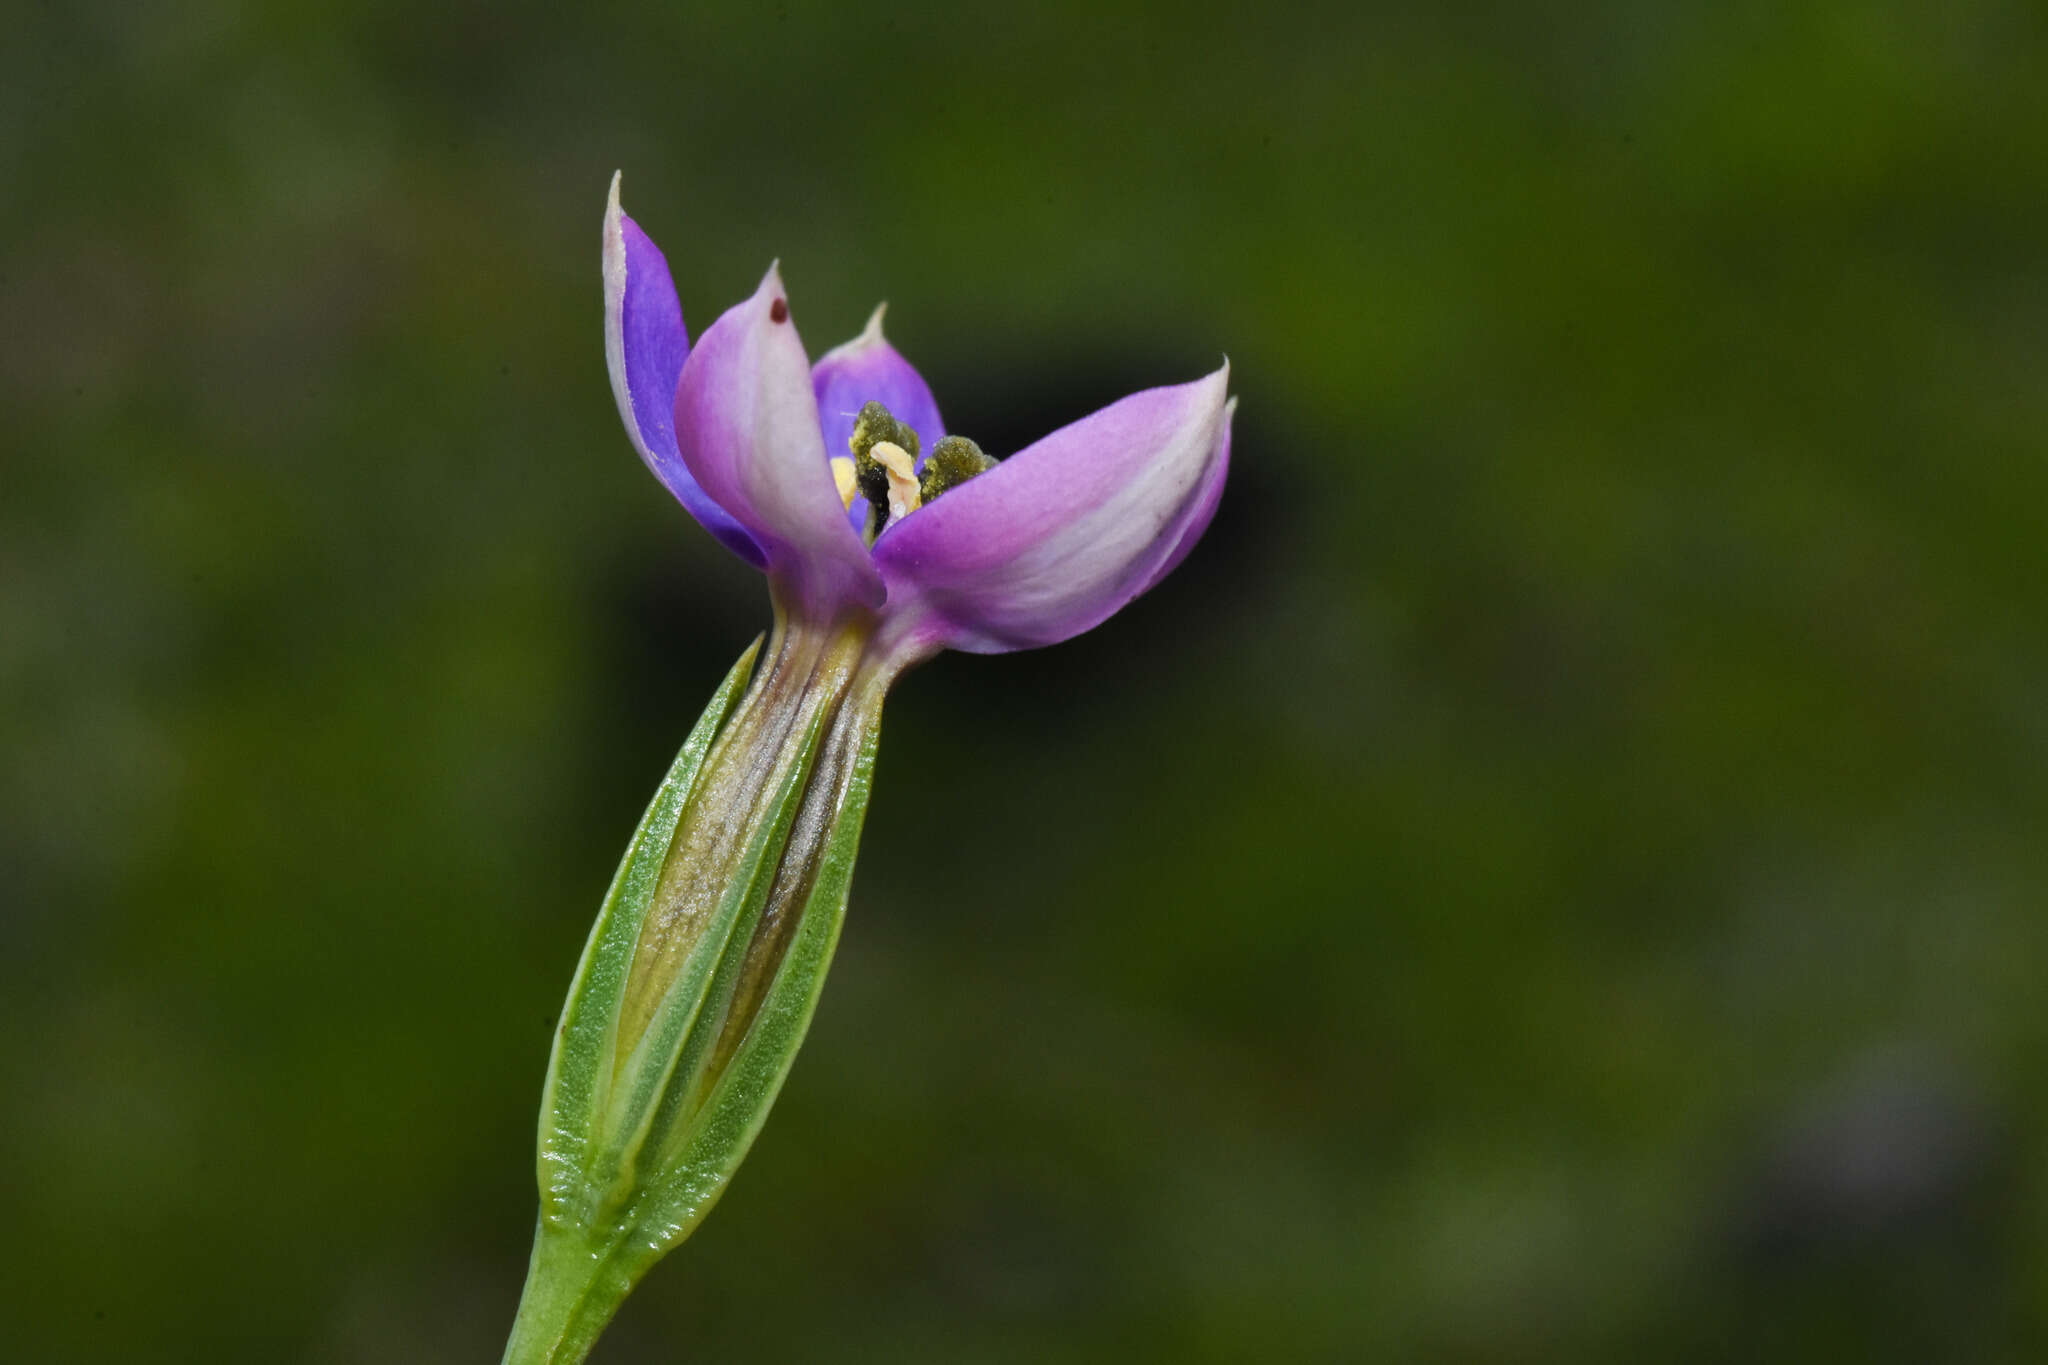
(771, 299)
(867, 368)
(1215, 387)
(614, 237)
(614, 223)
(869, 337)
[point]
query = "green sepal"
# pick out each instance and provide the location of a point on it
(635, 1150)
(580, 1070)
(669, 1055)
(747, 1084)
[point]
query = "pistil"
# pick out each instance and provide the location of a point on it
(884, 467)
(901, 471)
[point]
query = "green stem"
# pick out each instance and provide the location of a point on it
(573, 1286)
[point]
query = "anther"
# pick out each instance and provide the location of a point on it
(953, 461)
(877, 423)
(876, 426)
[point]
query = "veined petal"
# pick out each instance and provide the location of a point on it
(645, 344)
(747, 426)
(1058, 537)
(867, 369)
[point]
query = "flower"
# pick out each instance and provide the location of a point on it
(885, 540)
(744, 431)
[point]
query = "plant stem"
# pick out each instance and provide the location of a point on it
(573, 1286)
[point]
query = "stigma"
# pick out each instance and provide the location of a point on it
(900, 468)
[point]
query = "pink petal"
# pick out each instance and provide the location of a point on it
(747, 427)
(1060, 536)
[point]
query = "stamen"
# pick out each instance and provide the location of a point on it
(876, 426)
(884, 467)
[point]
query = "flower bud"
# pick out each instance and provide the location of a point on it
(698, 981)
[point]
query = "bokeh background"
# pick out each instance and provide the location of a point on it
(1559, 874)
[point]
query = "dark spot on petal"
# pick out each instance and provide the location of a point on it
(778, 311)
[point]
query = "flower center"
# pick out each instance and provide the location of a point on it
(883, 468)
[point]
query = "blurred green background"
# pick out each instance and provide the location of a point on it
(1557, 875)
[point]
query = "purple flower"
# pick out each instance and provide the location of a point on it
(885, 539)
(760, 446)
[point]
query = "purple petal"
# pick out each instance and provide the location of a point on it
(1058, 537)
(864, 369)
(644, 347)
(747, 426)
(869, 368)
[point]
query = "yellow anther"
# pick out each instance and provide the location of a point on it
(842, 476)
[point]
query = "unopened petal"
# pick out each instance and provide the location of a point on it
(1058, 537)
(747, 426)
(645, 344)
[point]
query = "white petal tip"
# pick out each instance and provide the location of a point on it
(612, 212)
(612, 259)
(870, 336)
